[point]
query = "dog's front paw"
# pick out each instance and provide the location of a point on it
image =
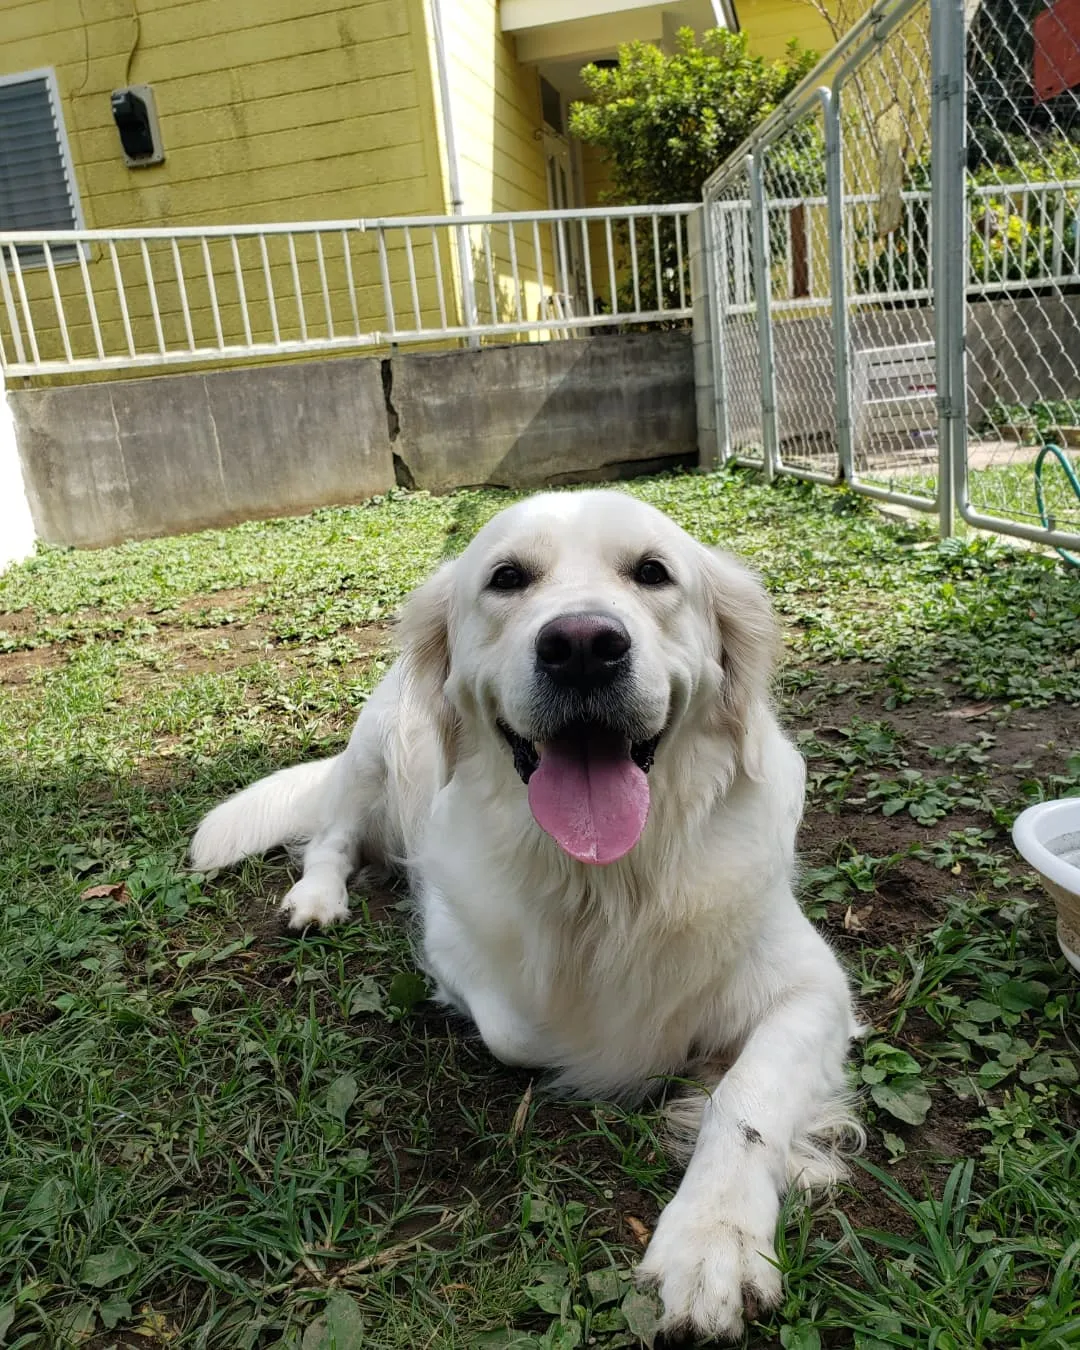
(713, 1262)
(315, 901)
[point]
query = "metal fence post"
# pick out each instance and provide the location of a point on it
(759, 227)
(702, 302)
(949, 260)
(467, 278)
(715, 261)
(834, 193)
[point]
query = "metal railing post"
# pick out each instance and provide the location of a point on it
(469, 312)
(834, 195)
(949, 259)
(759, 227)
(715, 262)
(706, 232)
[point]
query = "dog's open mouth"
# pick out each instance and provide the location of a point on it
(587, 788)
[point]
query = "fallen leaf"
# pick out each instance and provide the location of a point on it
(340, 1095)
(154, 1326)
(642, 1316)
(340, 1327)
(637, 1228)
(112, 890)
(970, 711)
(522, 1113)
(854, 918)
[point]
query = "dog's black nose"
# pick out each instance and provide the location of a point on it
(583, 651)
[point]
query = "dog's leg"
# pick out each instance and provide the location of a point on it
(712, 1255)
(353, 817)
(461, 980)
(321, 896)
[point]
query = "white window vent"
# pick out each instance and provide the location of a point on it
(37, 181)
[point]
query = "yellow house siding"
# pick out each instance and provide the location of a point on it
(264, 110)
(771, 24)
(595, 184)
(497, 124)
(288, 110)
(496, 108)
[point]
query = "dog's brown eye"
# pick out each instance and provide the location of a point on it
(649, 572)
(508, 577)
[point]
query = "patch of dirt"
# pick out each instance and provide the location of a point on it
(19, 621)
(21, 666)
(23, 621)
(179, 652)
(230, 647)
(235, 645)
(223, 599)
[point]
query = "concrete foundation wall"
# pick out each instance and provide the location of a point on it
(17, 533)
(138, 458)
(542, 413)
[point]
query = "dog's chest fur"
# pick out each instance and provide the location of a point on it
(610, 975)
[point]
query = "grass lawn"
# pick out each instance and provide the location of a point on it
(217, 1134)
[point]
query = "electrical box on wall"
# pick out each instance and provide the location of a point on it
(135, 115)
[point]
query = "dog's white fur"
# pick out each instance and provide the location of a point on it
(689, 952)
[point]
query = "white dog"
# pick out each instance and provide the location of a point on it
(576, 763)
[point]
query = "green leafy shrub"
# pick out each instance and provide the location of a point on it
(664, 123)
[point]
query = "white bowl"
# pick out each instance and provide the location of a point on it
(1048, 837)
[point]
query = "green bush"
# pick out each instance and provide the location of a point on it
(664, 123)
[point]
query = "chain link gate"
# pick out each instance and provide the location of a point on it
(895, 273)
(1021, 306)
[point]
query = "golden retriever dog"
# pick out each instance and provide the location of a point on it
(576, 764)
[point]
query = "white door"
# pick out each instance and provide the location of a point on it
(565, 235)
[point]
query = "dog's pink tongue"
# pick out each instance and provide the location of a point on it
(590, 796)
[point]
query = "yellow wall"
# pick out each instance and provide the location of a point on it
(771, 24)
(497, 126)
(284, 110)
(496, 112)
(269, 111)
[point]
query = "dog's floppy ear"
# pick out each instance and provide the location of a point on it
(425, 634)
(749, 646)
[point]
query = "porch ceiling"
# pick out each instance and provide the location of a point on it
(563, 30)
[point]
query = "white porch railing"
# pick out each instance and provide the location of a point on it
(93, 300)
(1021, 235)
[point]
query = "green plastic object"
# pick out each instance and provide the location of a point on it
(1074, 482)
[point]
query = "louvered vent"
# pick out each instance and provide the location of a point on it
(36, 192)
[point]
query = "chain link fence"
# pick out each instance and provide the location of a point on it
(735, 328)
(895, 263)
(1022, 311)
